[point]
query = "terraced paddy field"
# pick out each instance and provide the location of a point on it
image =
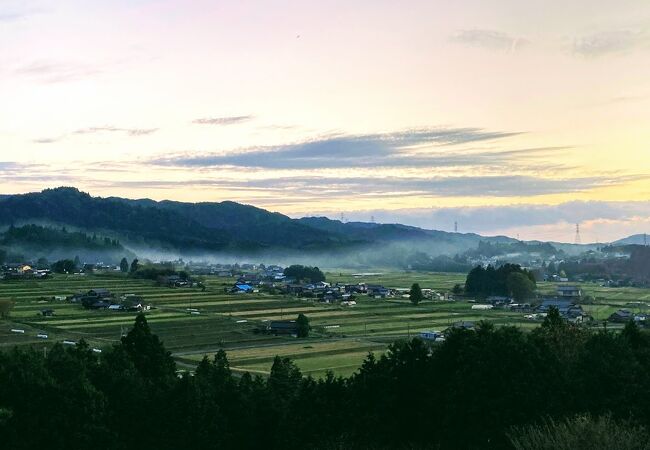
(341, 336)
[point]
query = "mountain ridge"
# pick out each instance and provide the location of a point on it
(223, 227)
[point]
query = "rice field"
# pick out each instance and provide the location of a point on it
(341, 336)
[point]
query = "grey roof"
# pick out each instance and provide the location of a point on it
(100, 291)
(283, 324)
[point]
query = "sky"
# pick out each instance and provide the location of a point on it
(507, 117)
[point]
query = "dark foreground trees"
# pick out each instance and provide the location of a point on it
(490, 388)
(580, 432)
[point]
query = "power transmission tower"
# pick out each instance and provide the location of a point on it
(455, 227)
(372, 219)
(578, 240)
(645, 240)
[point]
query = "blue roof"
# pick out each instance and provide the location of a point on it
(244, 287)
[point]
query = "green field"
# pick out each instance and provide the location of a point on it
(341, 339)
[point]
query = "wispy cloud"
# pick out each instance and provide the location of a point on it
(620, 99)
(111, 129)
(132, 132)
(47, 140)
(610, 42)
(600, 221)
(57, 71)
(489, 39)
(12, 166)
(230, 120)
(321, 188)
(11, 16)
(12, 173)
(442, 186)
(398, 149)
(18, 10)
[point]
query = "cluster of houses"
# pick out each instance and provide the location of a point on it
(343, 293)
(19, 271)
(566, 301)
(31, 270)
(230, 270)
(439, 336)
(104, 299)
(99, 267)
(178, 281)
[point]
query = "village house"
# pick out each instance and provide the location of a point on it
(294, 289)
(564, 291)
(133, 302)
(498, 301)
(241, 288)
(566, 308)
(99, 293)
(282, 327)
(432, 336)
(94, 298)
(377, 291)
(359, 288)
(621, 316)
(252, 279)
(462, 325)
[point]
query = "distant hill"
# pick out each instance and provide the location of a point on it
(393, 233)
(258, 226)
(635, 239)
(58, 243)
(223, 226)
(152, 228)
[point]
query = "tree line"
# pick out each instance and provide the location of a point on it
(491, 388)
(304, 273)
(506, 280)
